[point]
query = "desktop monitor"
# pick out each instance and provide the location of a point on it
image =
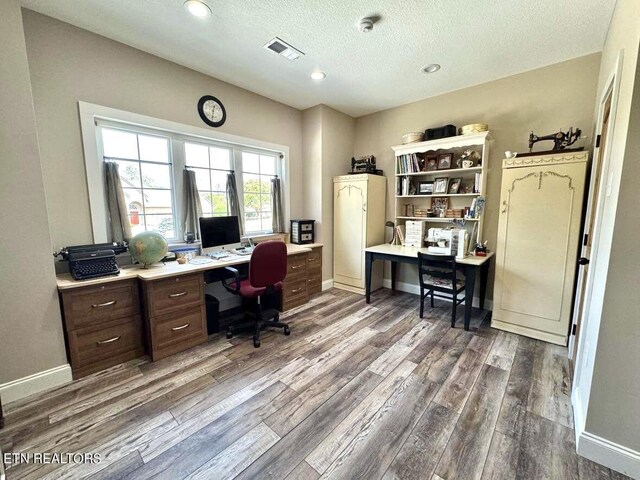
(219, 233)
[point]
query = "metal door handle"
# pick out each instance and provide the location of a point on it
(175, 295)
(111, 340)
(182, 327)
(583, 261)
(106, 304)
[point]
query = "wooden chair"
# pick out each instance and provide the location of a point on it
(438, 277)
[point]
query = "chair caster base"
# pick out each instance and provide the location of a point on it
(256, 342)
(287, 331)
(229, 335)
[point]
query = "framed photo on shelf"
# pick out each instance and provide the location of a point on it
(466, 188)
(440, 185)
(425, 188)
(444, 161)
(439, 205)
(431, 164)
(454, 185)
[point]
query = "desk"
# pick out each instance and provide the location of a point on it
(401, 254)
(159, 310)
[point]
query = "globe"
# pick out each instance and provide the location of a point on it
(148, 248)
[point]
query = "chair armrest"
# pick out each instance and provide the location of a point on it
(229, 284)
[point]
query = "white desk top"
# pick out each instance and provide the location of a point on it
(402, 251)
(157, 271)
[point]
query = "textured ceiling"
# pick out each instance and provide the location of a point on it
(474, 41)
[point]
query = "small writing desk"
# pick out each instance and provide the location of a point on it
(399, 253)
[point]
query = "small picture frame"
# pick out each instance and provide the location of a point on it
(439, 206)
(425, 188)
(440, 185)
(444, 161)
(466, 188)
(454, 185)
(431, 164)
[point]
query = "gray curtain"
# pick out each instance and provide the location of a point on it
(192, 205)
(233, 201)
(277, 216)
(116, 205)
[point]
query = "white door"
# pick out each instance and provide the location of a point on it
(537, 249)
(349, 232)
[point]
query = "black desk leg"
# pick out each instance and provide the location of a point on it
(484, 274)
(394, 269)
(469, 287)
(368, 260)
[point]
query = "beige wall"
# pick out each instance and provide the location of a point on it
(31, 340)
(69, 64)
(612, 406)
(542, 100)
(327, 150)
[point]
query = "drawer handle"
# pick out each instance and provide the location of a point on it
(176, 295)
(111, 340)
(313, 259)
(181, 327)
(106, 304)
(296, 266)
(296, 290)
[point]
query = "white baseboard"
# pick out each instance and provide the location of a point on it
(38, 382)
(602, 451)
(415, 289)
(327, 284)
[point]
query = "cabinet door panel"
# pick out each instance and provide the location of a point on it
(349, 231)
(537, 246)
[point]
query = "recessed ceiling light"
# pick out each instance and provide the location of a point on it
(197, 8)
(432, 67)
(318, 75)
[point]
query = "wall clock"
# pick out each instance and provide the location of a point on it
(212, 111)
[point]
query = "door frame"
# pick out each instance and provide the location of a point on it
(611, 88)
(592, 204)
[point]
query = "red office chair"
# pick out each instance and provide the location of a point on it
(267, 269)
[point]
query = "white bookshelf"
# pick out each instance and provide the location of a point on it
(456, 146)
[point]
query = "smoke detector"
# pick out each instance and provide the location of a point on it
(365, 25)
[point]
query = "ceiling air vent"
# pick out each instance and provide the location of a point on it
(283, 48)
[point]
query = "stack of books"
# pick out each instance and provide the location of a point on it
(453, 213)
(408, 163)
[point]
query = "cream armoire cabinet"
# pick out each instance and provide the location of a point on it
(538, 243)
(358, 222)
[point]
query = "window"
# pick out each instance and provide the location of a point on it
(151, 161)
(144, 165)
(211, 165)
(257, 172)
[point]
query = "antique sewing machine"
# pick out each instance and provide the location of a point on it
(561, 140)
(366, 164)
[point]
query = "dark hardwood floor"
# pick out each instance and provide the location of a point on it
(356, 391)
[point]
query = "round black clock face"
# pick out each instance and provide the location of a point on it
(212, 111)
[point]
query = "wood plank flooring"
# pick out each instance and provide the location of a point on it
(356, 391)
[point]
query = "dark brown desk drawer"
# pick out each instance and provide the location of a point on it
(99, 347)
(294, 292)
(95, 305)
(173, 333)
(297, 264)
(174, 294)
(314, 282)
(314, 258)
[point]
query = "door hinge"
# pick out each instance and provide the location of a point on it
(585, 242)
(574, 328)
(598, 140)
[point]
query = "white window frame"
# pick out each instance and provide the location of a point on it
(92, 114)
